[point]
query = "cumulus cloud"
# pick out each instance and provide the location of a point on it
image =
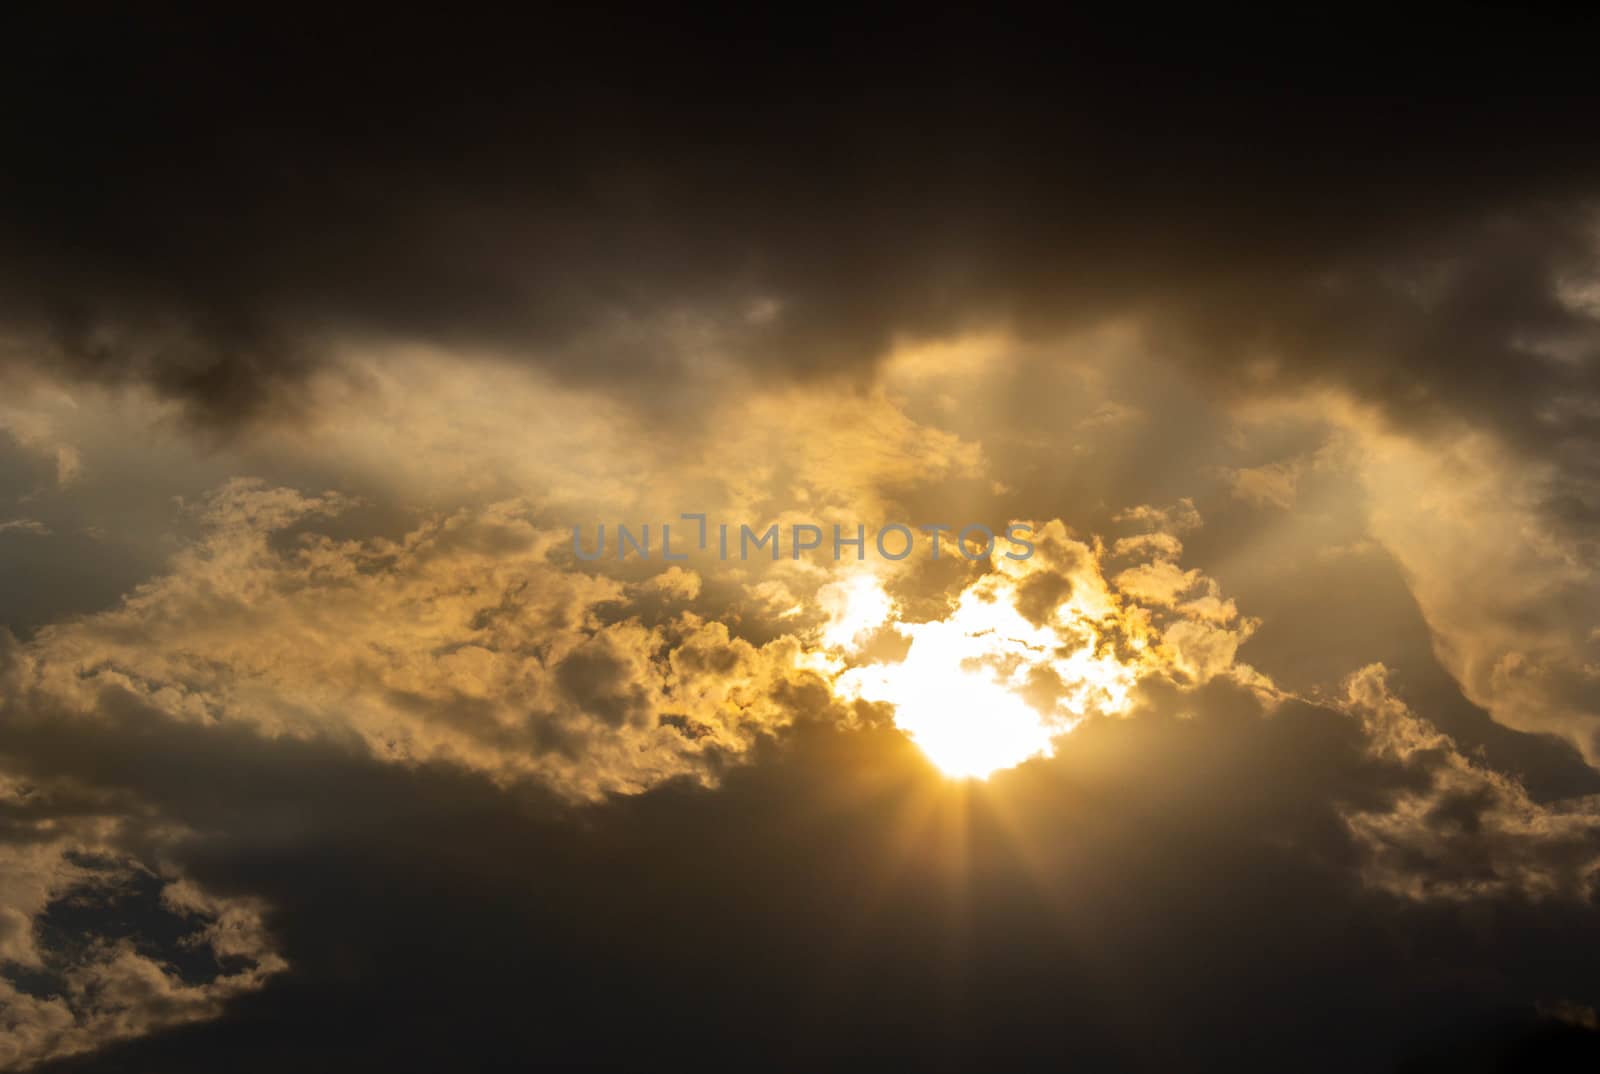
(1469, 831)
(459, 640)
(474, 639)
(1509, 592)
(78, 864)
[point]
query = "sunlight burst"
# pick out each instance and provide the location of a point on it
(984, 688)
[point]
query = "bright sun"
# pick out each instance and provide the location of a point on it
(982, 689)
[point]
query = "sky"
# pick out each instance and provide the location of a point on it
(1180, 644)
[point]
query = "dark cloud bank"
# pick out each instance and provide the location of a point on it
(1181, 888)
(1170, 892)
(1376, 204)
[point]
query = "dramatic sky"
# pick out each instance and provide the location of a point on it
(322, 748)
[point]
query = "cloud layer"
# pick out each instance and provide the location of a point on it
(320, 747)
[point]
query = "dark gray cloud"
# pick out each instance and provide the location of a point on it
(1161, 892)
(209, 208)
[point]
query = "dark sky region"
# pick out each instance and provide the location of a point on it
(321, 750)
